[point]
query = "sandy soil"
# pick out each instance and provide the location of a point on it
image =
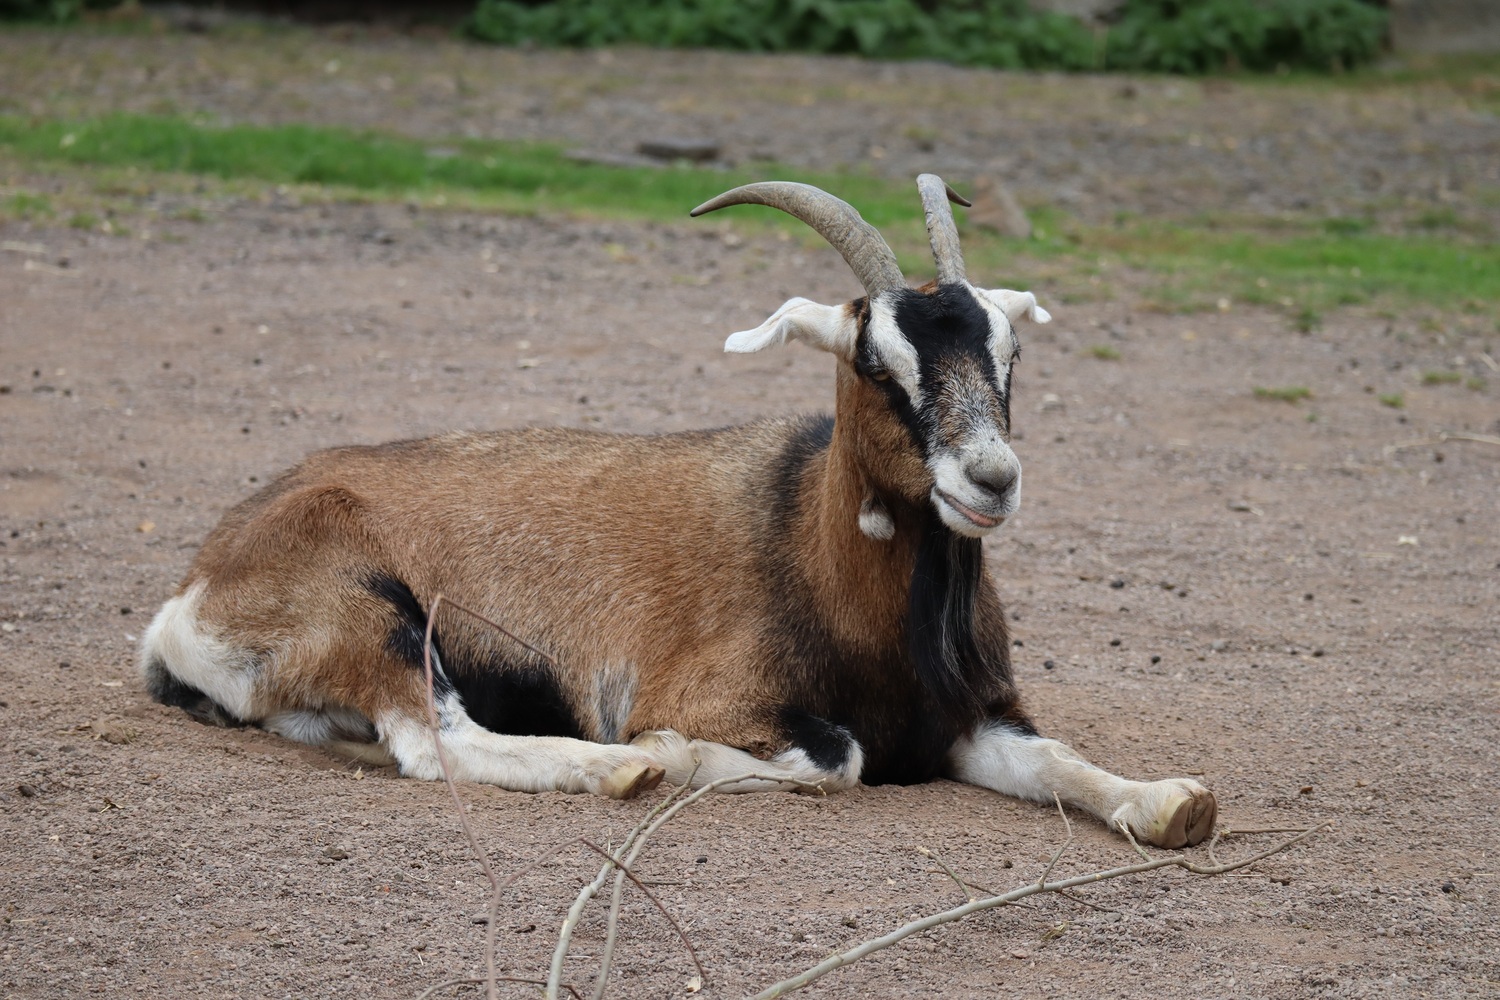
(1294, 602)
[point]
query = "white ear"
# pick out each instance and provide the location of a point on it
(828, 328)
(1017, 305)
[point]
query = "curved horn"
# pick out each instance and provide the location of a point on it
(941, 232)
(862, 246)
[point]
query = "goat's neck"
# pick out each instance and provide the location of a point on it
(860, 583)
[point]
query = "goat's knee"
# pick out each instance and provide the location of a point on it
(796, 768)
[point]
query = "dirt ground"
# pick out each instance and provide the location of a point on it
(1294, 602)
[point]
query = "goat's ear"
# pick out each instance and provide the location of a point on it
(1017, 305)
(828, 328)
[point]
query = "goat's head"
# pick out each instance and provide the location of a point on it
(924, 374)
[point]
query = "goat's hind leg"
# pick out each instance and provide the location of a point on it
(1175, 812)
(518, 763)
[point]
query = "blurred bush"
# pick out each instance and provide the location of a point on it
(50, 10)
(1206, 36)
(1175, 36)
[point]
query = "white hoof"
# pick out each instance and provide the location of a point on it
(627, 780)
(1174, 813)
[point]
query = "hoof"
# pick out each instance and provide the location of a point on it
(630, 780)
(1186, 820)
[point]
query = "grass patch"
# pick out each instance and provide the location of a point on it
(1441, 378)
(24, 205)
(1394, 400)
(1284, 394)
(1302, 270)
(1209, 264)
(1104, 352)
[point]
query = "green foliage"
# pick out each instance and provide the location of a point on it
(24, 205)
(1104, 352)
(1394, 400)
(1206, 36)
(55, 11)
(1003, 33)
(1441, 378)
(1177, 36)
(1307, 319)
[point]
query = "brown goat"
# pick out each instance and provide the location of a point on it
(805, 598)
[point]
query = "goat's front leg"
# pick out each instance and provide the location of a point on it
(1176, 812)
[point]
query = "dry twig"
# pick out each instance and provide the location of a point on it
(634, 844)
(1442, 437)
(967, 888)
(431, 990)
(835, 962)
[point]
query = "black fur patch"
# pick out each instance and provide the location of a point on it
(172, 692)
(408, 632)
(809, 438)
(518, 700)
(940, 620)
(826, 745)
(942, 325)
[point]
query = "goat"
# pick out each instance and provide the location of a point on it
(801, 597)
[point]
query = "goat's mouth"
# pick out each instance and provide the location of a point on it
(983, 522)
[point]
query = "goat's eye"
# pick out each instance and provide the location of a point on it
(880, 375)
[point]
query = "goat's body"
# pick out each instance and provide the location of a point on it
(805, 599)
(647, 630)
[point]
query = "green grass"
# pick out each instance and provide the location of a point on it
(510, 176)
(1285, 394)
(1394, 400)
(24, 205)
(1441, 378)
(1104, 352)
(1303, 270)
(1210, 264)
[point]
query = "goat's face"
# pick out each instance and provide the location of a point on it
(942, 358)
(925, 376)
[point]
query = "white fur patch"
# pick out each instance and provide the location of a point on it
(319, 728)
(222, 672)
(895, 352)
(875, 521)
(680, 756)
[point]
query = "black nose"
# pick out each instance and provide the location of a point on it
(1001, 484)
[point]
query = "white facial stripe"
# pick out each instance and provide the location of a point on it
(893, 349)
(1002, 334)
